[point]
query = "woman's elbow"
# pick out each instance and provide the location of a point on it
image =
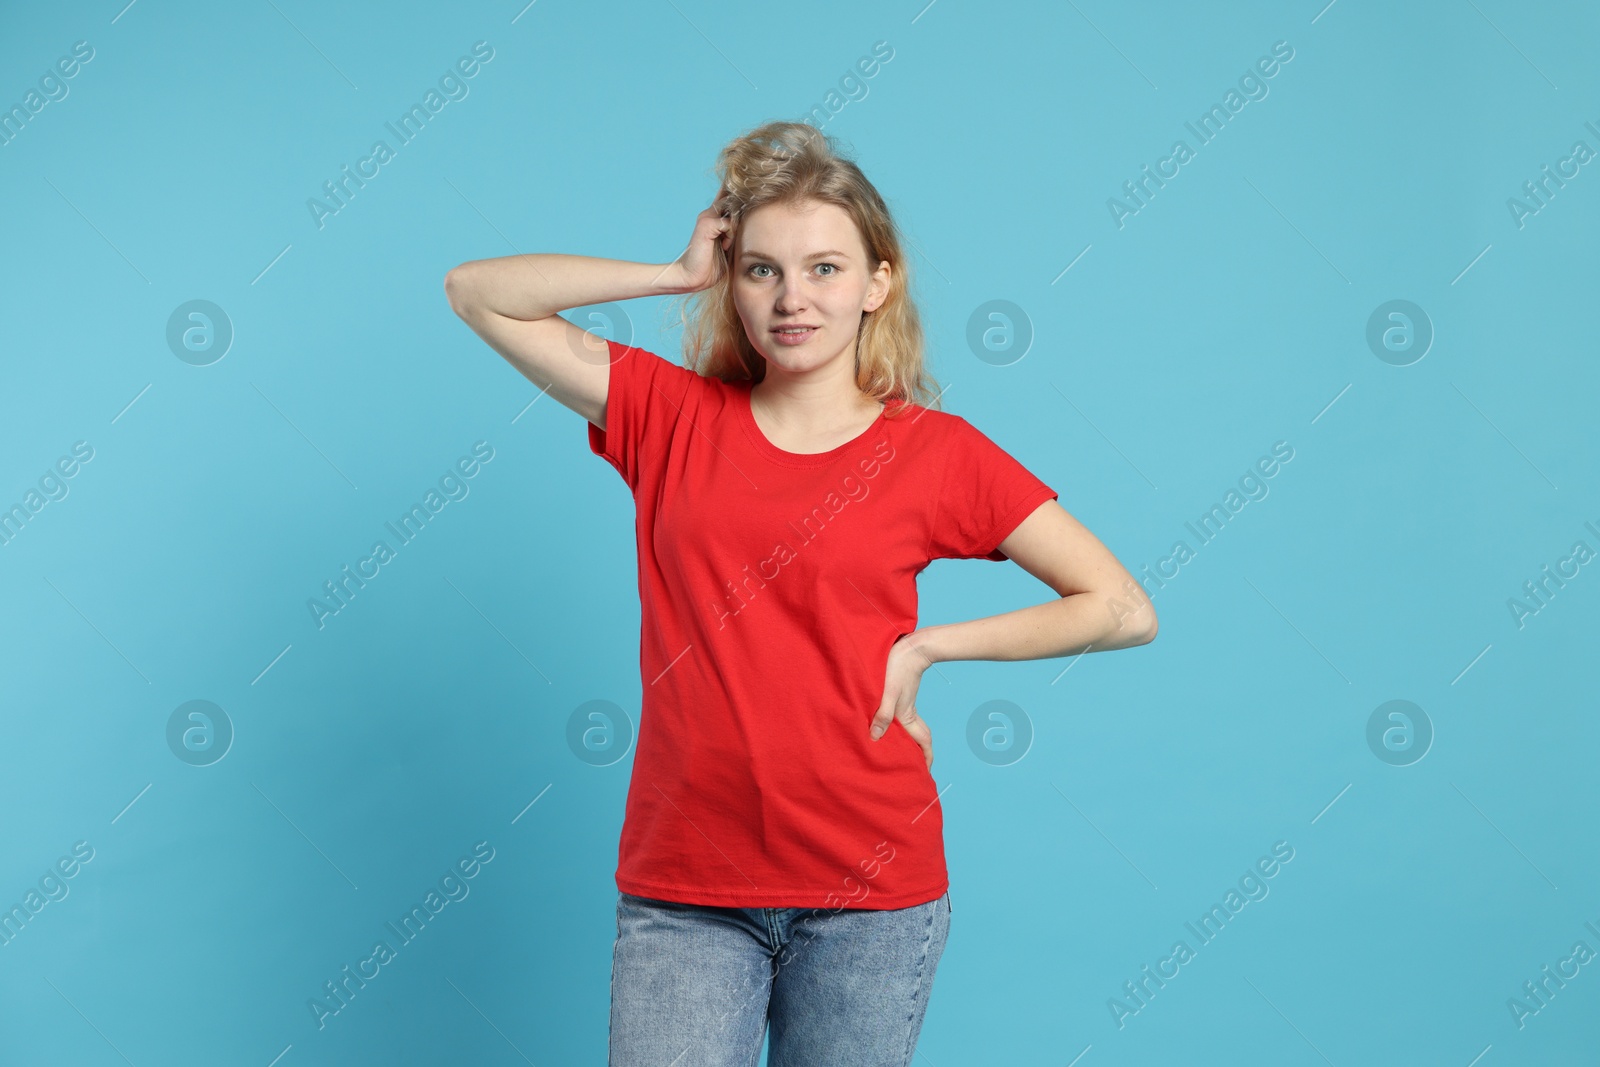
(458, 288)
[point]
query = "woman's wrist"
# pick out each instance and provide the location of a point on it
(671, 280)
(924, 642)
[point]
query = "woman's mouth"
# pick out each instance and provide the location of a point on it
(794, 335)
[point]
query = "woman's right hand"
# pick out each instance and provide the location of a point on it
(705, 260)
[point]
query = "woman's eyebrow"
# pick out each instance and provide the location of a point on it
(752, 254)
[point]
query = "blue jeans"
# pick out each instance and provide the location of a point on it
(697, 986)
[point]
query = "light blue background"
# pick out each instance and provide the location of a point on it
(1228, 314)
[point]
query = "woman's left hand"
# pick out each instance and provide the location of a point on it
(902, 676)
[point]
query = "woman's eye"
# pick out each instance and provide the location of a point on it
(830, 268)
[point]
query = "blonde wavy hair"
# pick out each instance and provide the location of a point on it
(787, 163)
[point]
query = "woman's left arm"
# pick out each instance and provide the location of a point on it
(1100, 607)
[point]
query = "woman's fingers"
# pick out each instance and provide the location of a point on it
(881, 721)
(702, 265)
(912, 723)
(920, 733)
(901, 679)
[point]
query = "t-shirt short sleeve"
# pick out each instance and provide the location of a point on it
(984, 495)
(644, 399)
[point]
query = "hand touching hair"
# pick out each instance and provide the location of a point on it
(788, 163)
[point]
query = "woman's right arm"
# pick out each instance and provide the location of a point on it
(513, 303)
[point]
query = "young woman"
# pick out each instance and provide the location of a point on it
(782, 860)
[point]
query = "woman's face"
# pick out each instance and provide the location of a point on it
(803, 265)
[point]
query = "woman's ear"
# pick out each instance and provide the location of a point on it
(878, 291)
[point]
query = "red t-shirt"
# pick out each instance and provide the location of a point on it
(771, 587)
